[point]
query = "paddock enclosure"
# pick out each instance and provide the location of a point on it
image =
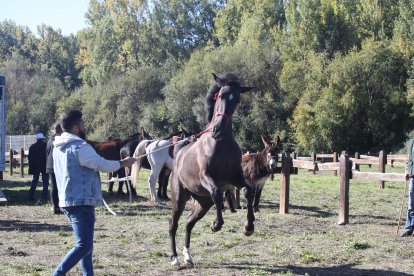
(305, 240)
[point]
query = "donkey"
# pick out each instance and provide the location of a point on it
(209, 166)
(257, 167)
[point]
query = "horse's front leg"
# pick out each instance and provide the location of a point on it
(217, 197)
(248, 194)
(152, 180)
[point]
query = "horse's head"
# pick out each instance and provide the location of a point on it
(272, 149)
(221, 102)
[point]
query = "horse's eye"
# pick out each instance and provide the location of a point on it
(231, 97)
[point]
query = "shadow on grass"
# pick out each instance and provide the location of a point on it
(31, 226)
(17, 192)
(372, 219)
(346, 269)
(310, 211)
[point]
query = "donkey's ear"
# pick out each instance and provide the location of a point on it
(277, 140)
(219, 81)
(142, 132)
(245, 89)
(265, 140)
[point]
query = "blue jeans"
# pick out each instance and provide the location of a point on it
(82, 219)
(35, 180)
(409, 224)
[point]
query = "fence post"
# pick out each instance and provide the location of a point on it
(335, 159)
(344, 175)
(357, 157)
(382, 162)
(21, 162)
(11, 161)
(369, 154)
(285, 183)
(313, 158)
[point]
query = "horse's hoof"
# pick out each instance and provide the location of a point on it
(233, 210)
(189, 263)
(248, 231)
(215, 227)
(175, 262)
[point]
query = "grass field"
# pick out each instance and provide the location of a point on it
(307, 241)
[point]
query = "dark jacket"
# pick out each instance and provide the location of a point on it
(37, 157)
(49, 154)
(410, 163)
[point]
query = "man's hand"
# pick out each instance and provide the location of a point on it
(127, 162)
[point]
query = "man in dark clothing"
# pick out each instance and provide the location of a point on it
(409, 176)
(37, 166)
(49, 169)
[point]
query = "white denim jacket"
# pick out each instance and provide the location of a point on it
(77, 165)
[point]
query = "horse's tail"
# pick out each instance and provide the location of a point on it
(136, 167)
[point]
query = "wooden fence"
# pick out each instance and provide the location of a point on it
(347, 167)
(17, 160)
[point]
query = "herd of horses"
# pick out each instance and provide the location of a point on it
(201, 166)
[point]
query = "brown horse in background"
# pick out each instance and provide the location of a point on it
(111, 150)
(206, 168)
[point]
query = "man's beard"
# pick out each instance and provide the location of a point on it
(82, 134)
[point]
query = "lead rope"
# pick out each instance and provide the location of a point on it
(402, 207)
(128, 184)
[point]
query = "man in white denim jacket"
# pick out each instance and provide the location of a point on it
(77, 167)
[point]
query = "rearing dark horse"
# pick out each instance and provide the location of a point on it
(208, 167)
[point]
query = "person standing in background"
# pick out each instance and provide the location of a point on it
(49, 169)
(37, 166)
(409, 176)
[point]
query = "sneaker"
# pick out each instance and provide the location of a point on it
(407, 233)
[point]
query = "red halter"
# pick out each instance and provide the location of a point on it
(217, 96)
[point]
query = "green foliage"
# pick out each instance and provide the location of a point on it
(404, 27)
(31, 98)
(246, 21)
(355, 97)
(116, 107)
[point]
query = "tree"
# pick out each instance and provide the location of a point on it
(404, 27)
(246, 20)
(31, 97)
(56, 55)
(359, 105)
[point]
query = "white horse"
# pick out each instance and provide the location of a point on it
(158, 157)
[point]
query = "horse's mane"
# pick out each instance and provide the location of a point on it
(209, 102)
(131, 137)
